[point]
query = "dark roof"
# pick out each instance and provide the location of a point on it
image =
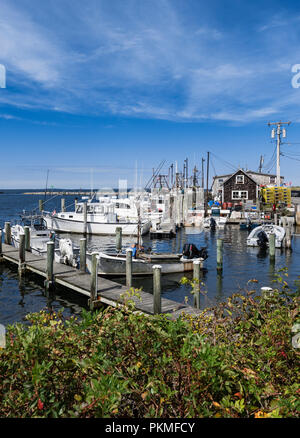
(244, 172)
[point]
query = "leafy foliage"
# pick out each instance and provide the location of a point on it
(233, 360)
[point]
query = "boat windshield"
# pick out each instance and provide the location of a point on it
(38, 223)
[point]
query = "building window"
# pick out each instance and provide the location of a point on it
(239, 194)
(220, 180)
(272, 179)
(239, 179)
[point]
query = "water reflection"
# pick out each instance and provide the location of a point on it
(240, 263)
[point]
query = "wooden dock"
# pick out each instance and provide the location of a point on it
(108, 292)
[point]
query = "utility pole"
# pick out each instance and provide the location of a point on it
(279, 131)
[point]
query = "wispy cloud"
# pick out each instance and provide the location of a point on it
(149, 59)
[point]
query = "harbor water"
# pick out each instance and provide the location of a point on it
(240, 265)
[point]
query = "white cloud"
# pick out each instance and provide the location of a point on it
(142, 60)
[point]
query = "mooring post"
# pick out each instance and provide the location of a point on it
(7, 229)
(219, 254)
(27, 238)
(119, 238)
(83, 254)
(196, 278)
(156, 289)
(62, 205)
(94, 279)
(288, 236)
(128, 267)
(272, 246)
(49, 268)
(1, 245)
(84, 218)
(21, 268)
(41, 205)
(266, 292)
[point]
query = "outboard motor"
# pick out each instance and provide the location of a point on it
(66, 252)
(262, 239)
(212, 223)
(190, 251)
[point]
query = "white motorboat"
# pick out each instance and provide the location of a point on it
(114, 264)
(101, 219)
(259, 236)
(214, 222)
(40, 235)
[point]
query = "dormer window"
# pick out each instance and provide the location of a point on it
(239, 179)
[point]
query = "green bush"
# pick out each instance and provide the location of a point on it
(233, 360)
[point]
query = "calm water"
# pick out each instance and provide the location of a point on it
(240, 264)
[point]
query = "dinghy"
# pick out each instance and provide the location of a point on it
(259, 236)
(115, 264)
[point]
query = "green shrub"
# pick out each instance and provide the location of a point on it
(233, 360)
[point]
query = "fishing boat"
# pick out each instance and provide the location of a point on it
(100, 219)
(260, 235)
(64, 251)
(114, 264)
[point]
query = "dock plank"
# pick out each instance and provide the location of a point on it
(108, 291)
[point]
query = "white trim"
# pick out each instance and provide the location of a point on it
(239, 182)
(239, 194)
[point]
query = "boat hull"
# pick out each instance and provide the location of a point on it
(279, 232)
(116, 266)
(72, 226)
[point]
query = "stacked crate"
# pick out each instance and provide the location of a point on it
(274, 195)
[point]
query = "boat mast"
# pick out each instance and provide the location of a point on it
(139, 226)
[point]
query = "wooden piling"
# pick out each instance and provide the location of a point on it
(84, 218)
(1, 258)
(21, 268)
(219, 254)
(267, 292)
(49, 269)
(129, 267)
(62, 205)
(272, 246)
(83, 254)
(118, 238)
(156, 289)
(94, 279)
(7, 229)
(27, 238)
(196, 278)
(41, 205)
(288, 237)
(297, 215)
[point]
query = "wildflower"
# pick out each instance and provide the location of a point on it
(40, 405)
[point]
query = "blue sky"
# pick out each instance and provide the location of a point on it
(97, 88)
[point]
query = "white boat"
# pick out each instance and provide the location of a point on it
(214, 222)
(40, 235)
(259, 236)
(101, 219)
(115, 264)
